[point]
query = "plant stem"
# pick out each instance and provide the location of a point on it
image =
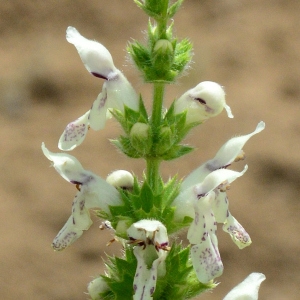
(153, 162)
(158, 97)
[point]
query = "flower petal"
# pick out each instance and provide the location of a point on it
(204, 221)
(74, 133)
(97, 117)
(95, 56)
(81, 215)
(144, 283)
(66, 236)
(224, 157)
(231, 149)
(66, 165)
(149, 230)
(237, 232)
(247, 289)
(206, 260)
(120, 92)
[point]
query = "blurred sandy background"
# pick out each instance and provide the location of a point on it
(250, 47)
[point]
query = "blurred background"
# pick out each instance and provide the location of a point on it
(250, 47)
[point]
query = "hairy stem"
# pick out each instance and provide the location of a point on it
(153, 162)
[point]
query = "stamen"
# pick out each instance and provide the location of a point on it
(241, 156)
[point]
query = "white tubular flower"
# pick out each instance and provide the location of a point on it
(97, 286)
(116, 93)
(198, 202)
(228, 153)
(247, 289)
(202, 102)
(151, 240)
(94, 192)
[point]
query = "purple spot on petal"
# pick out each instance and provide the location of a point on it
(200, 100)
(152, 291)
(75, 182)
(98, 75)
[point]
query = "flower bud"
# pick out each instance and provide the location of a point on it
(96, 287)
(165, 140)
(140, 137)
(204, 101)
(162, 57)
(121, 179)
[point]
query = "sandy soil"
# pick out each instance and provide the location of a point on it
(250, 47)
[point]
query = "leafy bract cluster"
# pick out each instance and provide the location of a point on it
(143, 203)
(163, 58)
(140, 141)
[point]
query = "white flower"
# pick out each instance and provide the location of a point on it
(202, 102)
(151, 240)
(199, 202)
(247, 289)
(94, 192)
(116, 93)
(203, 197)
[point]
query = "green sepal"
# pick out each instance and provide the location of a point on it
(124, 145)
(166, 140)
(141, 138)
(119, 116)
(140, 55)
(183, 55)
(153, 8)
(178, 123)
(180, 281)
(172, 10)
(120, 276)
(143, 112)
(177, 151)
